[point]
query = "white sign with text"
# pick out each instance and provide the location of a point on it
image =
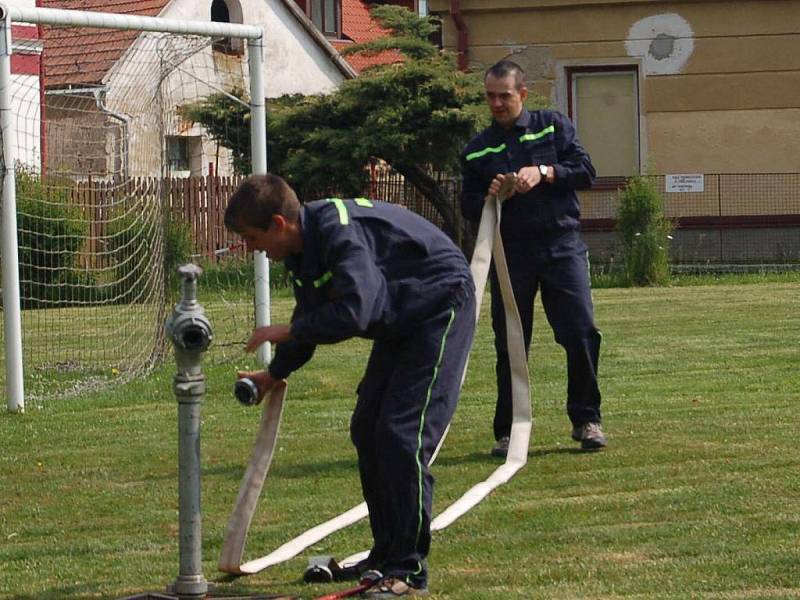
(685, 182)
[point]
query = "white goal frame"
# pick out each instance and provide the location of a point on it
(10, 253)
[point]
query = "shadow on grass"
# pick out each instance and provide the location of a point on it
(331, 468)
(336, 468)
(237, 592)
(485, 457)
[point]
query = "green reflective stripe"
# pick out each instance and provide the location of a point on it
(529, 137)
(298, 283)
(422, 417)
(363, 202)
(344, 218)
(485, 151)
(323, 280)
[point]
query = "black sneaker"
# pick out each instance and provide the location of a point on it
(500, 448)
(590, 435)
(393, 587)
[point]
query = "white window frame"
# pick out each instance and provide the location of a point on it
(563, 82)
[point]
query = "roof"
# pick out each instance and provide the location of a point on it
(358, 27)
(73, 65)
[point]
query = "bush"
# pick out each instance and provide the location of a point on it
(132, 243)
(50, 234)
(133, 246)
(178, 246)
(644, 232)
(236, 275)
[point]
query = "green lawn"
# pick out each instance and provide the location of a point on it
(696, 496)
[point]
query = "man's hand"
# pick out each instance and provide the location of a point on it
(527, 179)
(262, 379)
(271, 333)
(503, 184)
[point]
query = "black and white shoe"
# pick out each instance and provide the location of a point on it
(393, 587)
(590, 435)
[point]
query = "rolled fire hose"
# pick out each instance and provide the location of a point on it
(489, 245)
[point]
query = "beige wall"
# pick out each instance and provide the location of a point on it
(722, 96)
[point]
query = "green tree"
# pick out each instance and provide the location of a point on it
(50, 234)
(415, 114)
(644, 232)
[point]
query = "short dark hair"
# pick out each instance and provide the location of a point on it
(257, 199)
(504, 68)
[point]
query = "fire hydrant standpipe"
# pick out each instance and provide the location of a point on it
(190, 332)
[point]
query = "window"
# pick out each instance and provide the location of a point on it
(326, 16)
(227, 11)
(184, 155)
(604, 105)
(177, 154)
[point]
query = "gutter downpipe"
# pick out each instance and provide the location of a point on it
(463, 34)
(100, 101)
(42, 99)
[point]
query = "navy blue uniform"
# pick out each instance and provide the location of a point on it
(544, 250)
(376, 270)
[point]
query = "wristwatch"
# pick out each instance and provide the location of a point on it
(544, 171)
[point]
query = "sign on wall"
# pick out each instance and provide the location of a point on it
(684, 182)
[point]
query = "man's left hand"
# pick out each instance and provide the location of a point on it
(527, 179)
(271, 333)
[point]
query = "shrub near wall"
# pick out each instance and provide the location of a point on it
(644, 232)
(50, 234)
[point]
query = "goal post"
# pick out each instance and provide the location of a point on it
(87, 228)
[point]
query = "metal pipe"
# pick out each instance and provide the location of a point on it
(462, 47)
(191, 335)
(258, 147)
(55, 16)
(42, 102)
(126, 121)
(12, 314)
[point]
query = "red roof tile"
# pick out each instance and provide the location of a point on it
(358, 26)
(83, 55)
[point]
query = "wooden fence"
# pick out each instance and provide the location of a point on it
(201, 202)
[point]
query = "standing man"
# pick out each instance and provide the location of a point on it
(374, 270)
(541, 236)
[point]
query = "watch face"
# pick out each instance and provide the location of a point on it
(543, 170)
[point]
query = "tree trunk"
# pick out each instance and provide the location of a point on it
(426, 185)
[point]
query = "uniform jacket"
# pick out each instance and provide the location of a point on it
(367, 269)
(549, 212)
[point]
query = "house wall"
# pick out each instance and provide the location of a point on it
(77, 138)
(25, 103)
(293, 63)
(137, 104)
(719, 81)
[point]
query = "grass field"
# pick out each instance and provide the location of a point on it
(696, 496)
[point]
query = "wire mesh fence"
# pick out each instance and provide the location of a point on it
(735, 219)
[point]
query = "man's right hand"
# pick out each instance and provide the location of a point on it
(503, 184)
(262, 379)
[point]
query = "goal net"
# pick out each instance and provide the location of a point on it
(114, 189)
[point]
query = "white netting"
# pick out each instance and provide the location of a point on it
(114, 189)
